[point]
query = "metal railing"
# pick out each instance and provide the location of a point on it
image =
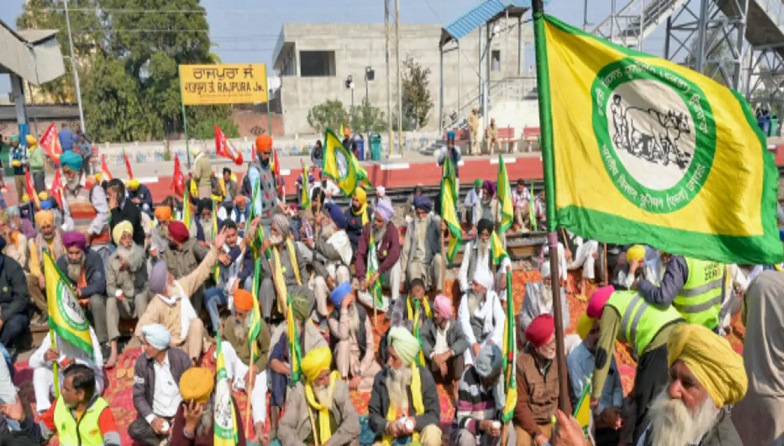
(507, 89)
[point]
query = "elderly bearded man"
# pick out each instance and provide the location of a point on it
(421, 255)
(126, 284)
(706, 378)
(539, 299)
(481, 316)
(404, 403)
(321, 402)
(358, 215)
(51, 238)
(183, 256)
(478, 258)
(332, 255)
(444, 343)
(293, 269)
(92, 198)
(351, 333)
(387, 243)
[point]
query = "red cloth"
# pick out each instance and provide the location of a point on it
(178, 232)
(540, 330)
(598, 299)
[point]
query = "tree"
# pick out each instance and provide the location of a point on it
(331, 113)
(368, 118)
(417, 102)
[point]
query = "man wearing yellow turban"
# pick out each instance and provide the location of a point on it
(357, 216)
(706, 377)
(392, 413)
(193, 423)
(323, 402)
(140, 194)
(48, 237)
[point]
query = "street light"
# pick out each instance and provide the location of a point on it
(369, 76)
(73, 65)
(350, 86)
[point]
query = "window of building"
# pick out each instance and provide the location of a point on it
(495, 63)
(316, 63)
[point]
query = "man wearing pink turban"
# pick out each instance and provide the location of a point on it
(443, 344)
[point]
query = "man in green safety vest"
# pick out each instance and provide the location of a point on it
(694, 287)
(627, 317)
(80, 416)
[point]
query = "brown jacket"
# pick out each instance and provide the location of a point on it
(537, 394)
(242, 347)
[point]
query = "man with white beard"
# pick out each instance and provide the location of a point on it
(421, 256)
(706, 378)
(204, 230)
(404, 404)
(126, 284)
(386, 241)
(477, 257)
(89, 198)
(481, 316)
(322, 402)
(351, 333)
(539, 299)
(331, 255)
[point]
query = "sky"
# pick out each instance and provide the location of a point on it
(246, 31)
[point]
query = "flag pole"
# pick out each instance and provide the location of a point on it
(55, 366)
(548, 158)
(249, 390)
(184, 121)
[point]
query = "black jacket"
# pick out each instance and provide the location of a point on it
(354, 225)
(455, 338)
(128, 211)
(144, 378)
(14, 297)
(379, 403)
(144, 196)
(95, 274)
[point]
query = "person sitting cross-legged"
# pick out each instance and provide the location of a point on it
(443, 344)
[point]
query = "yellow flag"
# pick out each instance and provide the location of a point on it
(341, 165)
(648, 151)
(66, 317)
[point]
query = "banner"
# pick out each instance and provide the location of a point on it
(106, 175)
(224, 147)
(223, 84)
(30, 188)
(341, 165)
(66, 316)
(50, 142)
(225, 432)
(178, 180)
(449, 209)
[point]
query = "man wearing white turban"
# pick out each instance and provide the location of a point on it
(539, 299)
(481, 315)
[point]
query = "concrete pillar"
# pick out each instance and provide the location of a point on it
(18, 96)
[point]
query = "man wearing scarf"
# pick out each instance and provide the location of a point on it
(331, 255)
(237, 351)
(171, 306)
(539, 299)
(706, 379)
(126, 284)
(481, 316)
(480, 402)
(51, 238)
(358, 215)
(323, 402)
(280, 358)
(443, 344)
(183, 256)
(404, 403)
(289, 266)
(351, 337)
(387, 241)
(91, 199)
(477, 257)
(85, 270)
(421, 256)
(260, 171)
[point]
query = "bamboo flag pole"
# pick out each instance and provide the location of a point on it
(55, 365)
(249, 390)
(548, 159)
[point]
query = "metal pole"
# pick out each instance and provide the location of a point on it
(389, 83)
(73, 65)
(486, 97)
(520, 47)
(441, 90)
(668, 31)
(352, 107)
(185, 123)
(399, 89)
(459, 79)
(585, 15)
(737, 69)
(702, 25)
(481, 71)
(367, 108)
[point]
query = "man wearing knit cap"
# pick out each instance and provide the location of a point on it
(386, 240)
(706, 378)
(126, 284)
(444, 343)
(289, 264)
(194, 422)
(647, 333)
(91, 199)
(237, 351)
(404, 403)
(260, 172)
(358, 215)
(51, 238)
(421, 257)
(183, 256)
(156, 380)
(480, 402)
(537, 384)
(331, 255)
(85, 270)
(351, 336)
(481, 315)
(140, 195)
(321, 403)
(539, 299)
(477, 257)
(171, 306)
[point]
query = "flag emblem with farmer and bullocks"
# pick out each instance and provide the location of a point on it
(66, 316)
(647, 151)
(342, 166)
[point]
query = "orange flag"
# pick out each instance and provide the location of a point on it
(128, 166)
(178, 181)
(31, 190)
(105, 174)
(51, 143)
(224, 147)
(276, 170)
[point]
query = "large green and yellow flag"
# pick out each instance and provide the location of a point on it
(295, 352)
(647, 151)
(342, 166)
(510, 356)
(304, 198)
(225, 421)
(449, 209)
(497, 251)
(375, 288)
(186, 208)
(66, 317)
(582, 412)
(254, 327)
(504, 197)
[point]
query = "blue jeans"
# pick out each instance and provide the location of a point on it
(212, 298)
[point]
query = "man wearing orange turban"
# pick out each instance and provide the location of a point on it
(237, 351)
(260, 173)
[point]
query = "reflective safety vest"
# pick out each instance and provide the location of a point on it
(86, 431)
(640, 321)
(700, 299)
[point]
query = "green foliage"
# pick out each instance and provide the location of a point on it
(417, 102)
(202, 126)
(331, 114)
(368, 118)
